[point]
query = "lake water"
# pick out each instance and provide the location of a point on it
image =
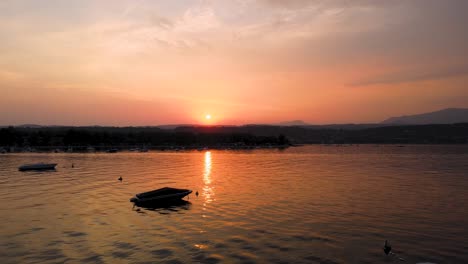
(311, 204)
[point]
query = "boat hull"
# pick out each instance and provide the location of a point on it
(160, 196)
(37, 167)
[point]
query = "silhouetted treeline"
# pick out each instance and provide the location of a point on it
(354, 134)
(251, 135)
(129, 136)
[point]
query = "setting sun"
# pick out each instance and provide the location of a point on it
(208, 117)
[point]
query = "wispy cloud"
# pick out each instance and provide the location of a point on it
(271, 53)
(414, 75)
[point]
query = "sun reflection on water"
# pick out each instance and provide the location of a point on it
(207, 189)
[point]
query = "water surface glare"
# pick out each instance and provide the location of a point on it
(311, 204)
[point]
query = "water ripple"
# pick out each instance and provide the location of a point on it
(313, 204)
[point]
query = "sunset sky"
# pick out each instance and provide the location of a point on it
(136, 62)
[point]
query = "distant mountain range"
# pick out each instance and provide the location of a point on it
(169, 127)
(30, 126)
(292, 123)
(445, 116)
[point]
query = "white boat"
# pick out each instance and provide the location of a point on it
(38, 166)
(163, 195)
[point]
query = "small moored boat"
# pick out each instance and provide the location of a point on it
(38, 166)
(163, 195)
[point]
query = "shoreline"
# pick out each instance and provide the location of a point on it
(181, 148)
(114, 149)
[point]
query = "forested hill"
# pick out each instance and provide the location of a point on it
(445, 116)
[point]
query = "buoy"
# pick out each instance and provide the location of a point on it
(73, 165)
(120, 178)
(388, 251)
(196, 193)
(387, 248)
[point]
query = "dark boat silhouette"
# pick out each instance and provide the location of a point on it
(38, 166)
(160, 196)
(166, 207)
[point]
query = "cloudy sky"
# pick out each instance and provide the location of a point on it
(140, 62)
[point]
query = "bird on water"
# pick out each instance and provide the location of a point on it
(196, 193)
(120, 178)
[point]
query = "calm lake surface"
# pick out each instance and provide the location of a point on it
(311, 204)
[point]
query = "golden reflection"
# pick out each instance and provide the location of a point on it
(207, 172)
(200, 246)
(207, 189)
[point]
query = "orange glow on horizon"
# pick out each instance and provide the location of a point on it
(194, 62)
(208, 119)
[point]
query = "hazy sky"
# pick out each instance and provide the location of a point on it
(138, 62)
